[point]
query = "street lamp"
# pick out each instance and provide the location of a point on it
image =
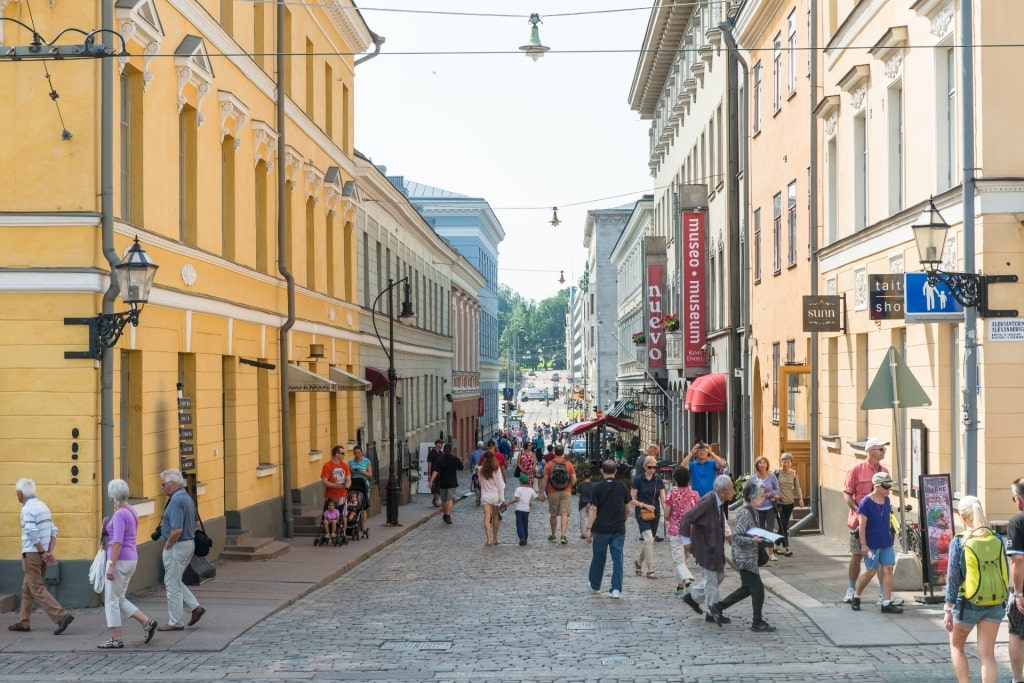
(393, 490)
(134, 280)
(969, 289)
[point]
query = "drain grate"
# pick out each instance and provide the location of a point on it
(617, 660)
(594, 625)
(417, 645)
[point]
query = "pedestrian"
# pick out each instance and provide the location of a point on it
(647, 495)
(521, 499)
(876, 542)
(766, 507)
(745, 557)
(976, 591)
(680, 500)
(122, 531)
(556, 487)
(362, 473)
(789, 495)
(336, 477)
(492, 494)
(476, 456)
(857, 486)
(705, 526)
(445, 479)
(1015, 609)
(38, 540)
(527, 463)
(606, 528)
(178, 528)
(432, 455)
(583, 493)
(704, 466)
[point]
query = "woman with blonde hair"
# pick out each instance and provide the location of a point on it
(492, 494)
(960, 614)
(647, 495)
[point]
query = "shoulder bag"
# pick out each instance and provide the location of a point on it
(202, 540)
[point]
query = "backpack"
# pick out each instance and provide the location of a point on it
(984, 568)
(559, 477)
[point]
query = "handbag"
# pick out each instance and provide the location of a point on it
(202, 540)
(762, 555)
(648, 515)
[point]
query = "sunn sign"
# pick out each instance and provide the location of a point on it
(694, 311)
(655, 312)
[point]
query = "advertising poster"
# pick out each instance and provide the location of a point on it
(936, 526)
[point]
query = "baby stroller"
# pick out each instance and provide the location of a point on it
(355, 526)
(340, 532)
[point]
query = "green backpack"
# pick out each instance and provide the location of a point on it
(986, 581)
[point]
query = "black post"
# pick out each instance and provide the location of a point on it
(393, 490)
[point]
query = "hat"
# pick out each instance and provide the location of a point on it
(523, 479)
(872, 442)
(479, 443)
(881, 478)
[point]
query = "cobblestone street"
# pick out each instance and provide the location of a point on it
(437, 605)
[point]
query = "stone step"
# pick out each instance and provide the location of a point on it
(7, 602)
(256, 549)
(237, 537)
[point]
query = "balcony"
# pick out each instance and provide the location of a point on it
(674, 350)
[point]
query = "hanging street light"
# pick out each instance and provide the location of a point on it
(534, 49)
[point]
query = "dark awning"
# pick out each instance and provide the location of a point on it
(619, 407)
(707, 394)
(300, 379)
(378, 381)
(611, 424)
(347, 381)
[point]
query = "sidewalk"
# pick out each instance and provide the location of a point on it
(813, 581)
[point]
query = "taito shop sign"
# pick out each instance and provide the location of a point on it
(694, 314)
(655, 312)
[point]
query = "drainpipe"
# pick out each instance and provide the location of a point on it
(377, 42)
(107, 238)
(738, 257)
(282, 250)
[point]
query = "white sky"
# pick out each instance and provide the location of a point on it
(521, 135)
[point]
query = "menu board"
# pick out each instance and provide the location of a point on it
(936, 526)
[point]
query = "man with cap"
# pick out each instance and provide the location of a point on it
(476, 456)
(445, 479)
(875, 535)
(858, 485)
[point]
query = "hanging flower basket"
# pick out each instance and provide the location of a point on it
(670, 323)
(639, 338)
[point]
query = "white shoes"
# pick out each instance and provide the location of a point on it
(849, 595)
(613, 594)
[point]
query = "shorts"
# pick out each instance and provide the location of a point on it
(560, 503)
(882, 556)
(1016, 620)
(448, 494)
(966, 613)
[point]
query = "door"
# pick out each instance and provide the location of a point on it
(795, 420)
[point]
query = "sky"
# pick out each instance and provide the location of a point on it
(526, 136)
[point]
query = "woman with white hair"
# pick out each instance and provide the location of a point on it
(647, 495)
(121, 532)
(963, 610)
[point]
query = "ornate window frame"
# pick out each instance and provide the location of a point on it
(139, 23)
(194, 67)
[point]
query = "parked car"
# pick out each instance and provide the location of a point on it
(579, 448)
(533, 394)
(555, 377)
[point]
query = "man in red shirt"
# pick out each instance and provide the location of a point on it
(336, 477)
(558, 493)
(858, 485)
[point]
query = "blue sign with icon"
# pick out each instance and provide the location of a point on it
(926, 303)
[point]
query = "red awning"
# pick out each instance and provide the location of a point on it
(378, 381)
(608, 422)
(707, 394)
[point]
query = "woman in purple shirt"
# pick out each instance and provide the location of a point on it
(122, 557)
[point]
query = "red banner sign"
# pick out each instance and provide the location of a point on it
(694, 318)
(480, 407)
(655, 312)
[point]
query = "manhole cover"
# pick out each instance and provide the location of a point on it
(617, 660)
(593, 625)
(417, 646)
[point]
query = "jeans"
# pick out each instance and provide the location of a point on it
(602, 544)
(785, 512)
(178, 595)
(584, 519)
(522, 525)
(752, 587)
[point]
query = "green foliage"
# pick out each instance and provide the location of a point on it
(542, 328)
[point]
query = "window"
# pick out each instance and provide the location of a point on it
(757, 245)
(791, 224)
(262, 216)
(945, 114)
(311, 243)
(188, 204)
(329, 100)
(832, 193)
(310, 75)
(894, 110)
(860, 172)
(791, 51)
(227, 197)
(777, 233)
(331, 248)
(227, 15)
(777, 72)
(776, 362)
(757, 97)
(132, 168)
(259, 33)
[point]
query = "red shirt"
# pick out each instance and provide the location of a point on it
(858, 484)
(339, 473)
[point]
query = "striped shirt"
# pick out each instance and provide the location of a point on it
(37, 527)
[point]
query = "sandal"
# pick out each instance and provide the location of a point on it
(788, 553)
(111, 645)
(651, 575)
(639, 569)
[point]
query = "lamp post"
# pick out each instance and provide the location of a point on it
(971, 291)
(393, 490)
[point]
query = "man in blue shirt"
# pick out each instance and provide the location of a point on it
(704, 466)
(178, 530)
(476, 456)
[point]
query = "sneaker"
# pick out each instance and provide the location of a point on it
(688, 599)
(849, 595)
(708, 619)
(682, 591)
(614, 594)
(551, 538)
(774, 557)
(715, 615)
(564, 540)
(891, 609)
(895, 601)
(855, 603)
(592, 589)
(761, 627)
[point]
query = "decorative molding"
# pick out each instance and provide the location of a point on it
(897, 265)
(314, 178)
(859, 98)
(860, 289)
(857, 75)
(292, 162)
(894, 66)
(830, 286)
(231, 108)
(265, 144)
(831, 125)
(194, 68)
(942, 22)
(139, 23)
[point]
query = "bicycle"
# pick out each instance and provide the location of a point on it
(913, 544)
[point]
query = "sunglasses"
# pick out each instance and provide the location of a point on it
(651, 467)
(887, 486)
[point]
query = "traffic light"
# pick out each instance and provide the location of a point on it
(599, 413)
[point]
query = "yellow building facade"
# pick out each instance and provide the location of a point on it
(197, 152)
